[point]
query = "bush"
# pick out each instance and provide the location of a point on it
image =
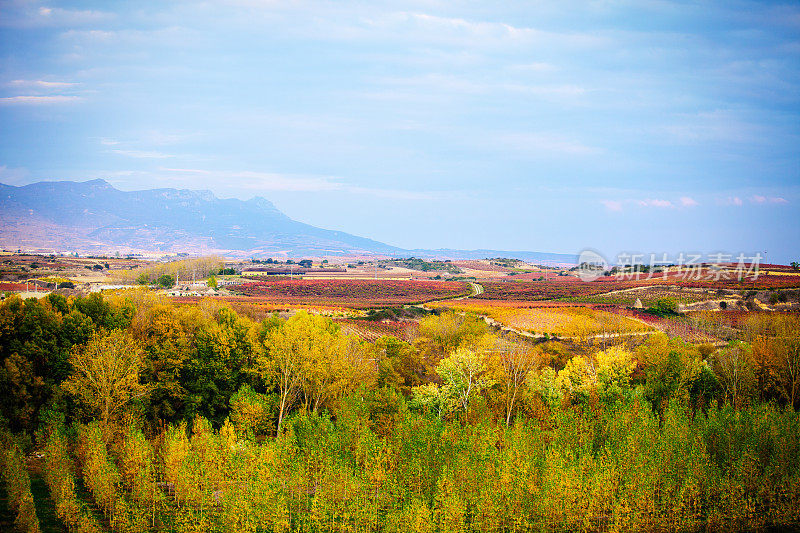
(166, 281)
(664, 307)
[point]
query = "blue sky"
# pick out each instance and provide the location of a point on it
(646, 125)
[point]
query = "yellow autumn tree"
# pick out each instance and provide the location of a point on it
(105, 374)
(509, 366)
(614, 369)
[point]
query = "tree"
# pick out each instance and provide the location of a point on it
(442, 334)
(795, 265)
(775, 340)
(400, 365)
(546, 385)
(105, 374)
(510, 366)
(734, 367)
(335, 369)
(250, 411)
(671, 366)
(428, 396)
(223, 359)
(288, 346)
(166, 281)
(614, 369)
(787, 340)
(664, 307)
(578, 378)
(463, 374)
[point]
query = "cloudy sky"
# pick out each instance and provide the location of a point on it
(641, 125)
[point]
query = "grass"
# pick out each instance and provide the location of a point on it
(45, 507)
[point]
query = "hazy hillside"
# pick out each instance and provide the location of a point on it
(94, 217)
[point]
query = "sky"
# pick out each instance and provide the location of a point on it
(648, 126)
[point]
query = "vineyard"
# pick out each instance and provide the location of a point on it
(550, 290)
(373, 330)
(561, 321)
(585, 291)
(647, 295)
(350, 293)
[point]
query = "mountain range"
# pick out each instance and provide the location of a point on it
(94, 217)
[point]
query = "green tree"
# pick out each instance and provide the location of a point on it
(166, 281)
(251, 412)
(221, 361)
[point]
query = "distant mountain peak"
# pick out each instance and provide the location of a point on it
(94, 216)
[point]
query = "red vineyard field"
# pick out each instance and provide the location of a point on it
(550, 290)
(10, 286)
(350, 293)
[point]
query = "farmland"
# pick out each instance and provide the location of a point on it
(576, 290)
(349, 293)
(550, 290)
(373, 330)
(561, 321)
(650, 295)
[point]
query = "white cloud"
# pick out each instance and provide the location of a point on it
(41, 84)
(422, 86)
(612, 205)
(654, 202)
(423, 27)
(266, 181)
(67, 17)
(758, 199)
(732, 200)
(687, 201)
(536, 66)
(719, 125)
(39, 100)
(660, 203)
(142, 154)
